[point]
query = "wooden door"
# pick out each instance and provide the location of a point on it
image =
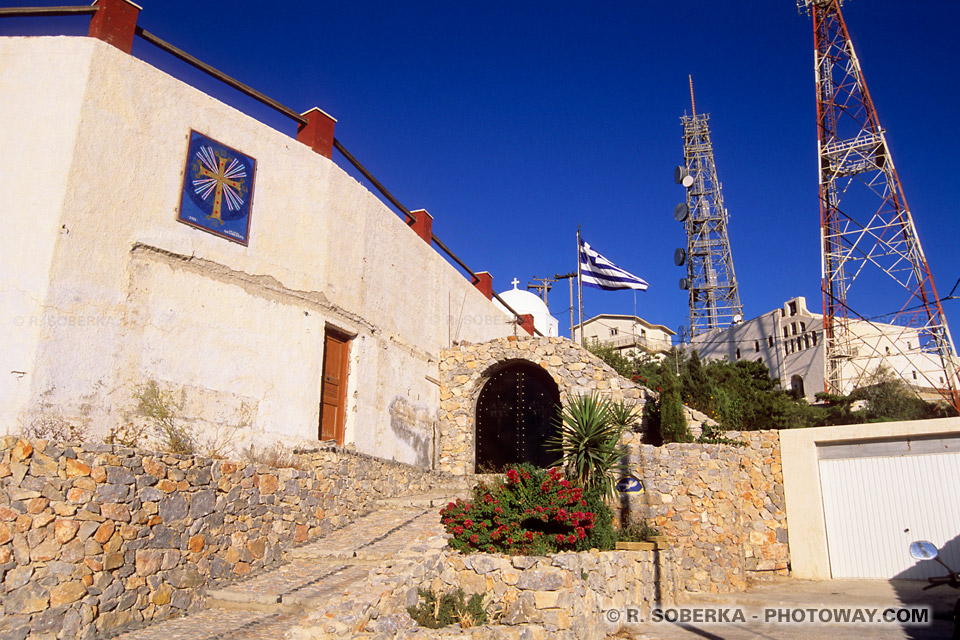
(333, 393)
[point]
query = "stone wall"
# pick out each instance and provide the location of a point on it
(94, 537)
(721, 507)
(465, 369)
(565, 594)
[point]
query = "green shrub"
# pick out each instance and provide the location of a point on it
(450, 608)
(715, 435)
(602, 535)
(528, 512)
(673, 423)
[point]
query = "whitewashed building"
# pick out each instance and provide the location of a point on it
(630, 335)
(789, 341)
(524, 303)
(321, 316)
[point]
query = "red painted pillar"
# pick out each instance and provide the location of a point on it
(484, 282)
(423, 226)
(318, 132)
(527, 322)
(115, 23)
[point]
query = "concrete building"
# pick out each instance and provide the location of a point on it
(789, 340)
(326, 321)
(630, 335)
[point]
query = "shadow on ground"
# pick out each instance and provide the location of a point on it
(909, 587)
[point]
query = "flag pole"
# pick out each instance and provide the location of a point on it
(579, 287)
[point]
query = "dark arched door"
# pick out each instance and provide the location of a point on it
(515, 413)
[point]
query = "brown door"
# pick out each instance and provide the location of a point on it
(333, 394)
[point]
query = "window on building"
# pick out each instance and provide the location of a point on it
(793, 328)
(756, 346)
(614, 331)
(886, 350)
(909, 346)
(770, 341)
(914, 375)
(793, 308)
(738, 354)
(786, 332)
(803, 327)
(814, 334)
(806, 341)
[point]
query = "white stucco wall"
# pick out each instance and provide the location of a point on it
(37, 138)
(124, 293)
(798, 349)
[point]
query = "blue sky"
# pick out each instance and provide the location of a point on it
(512, 123)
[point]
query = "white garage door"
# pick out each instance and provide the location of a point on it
(880, 496)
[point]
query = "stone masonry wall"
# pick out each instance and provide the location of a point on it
(465, 368)
(95, 537)
(565, 594)
(721, 507)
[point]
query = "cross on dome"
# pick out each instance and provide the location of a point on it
(514, 282)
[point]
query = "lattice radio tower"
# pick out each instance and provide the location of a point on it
(714, 298)
(879, 301)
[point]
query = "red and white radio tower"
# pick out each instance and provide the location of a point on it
(880, 305)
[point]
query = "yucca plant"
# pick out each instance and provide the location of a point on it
(624, 414)
(588, 439)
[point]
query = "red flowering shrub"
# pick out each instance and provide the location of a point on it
(529, 512)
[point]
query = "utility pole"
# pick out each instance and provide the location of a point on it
(569, 278)
(546, 284)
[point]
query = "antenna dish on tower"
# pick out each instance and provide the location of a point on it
(681, 211)
(679, 257)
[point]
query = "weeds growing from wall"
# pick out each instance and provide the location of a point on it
(43, 427)
(276, 456)
(160, 409)
(435, 612)
(636, 532)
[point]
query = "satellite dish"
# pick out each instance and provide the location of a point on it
(687, 181)
(681, 211)
(684, 284)
(679, 257)
(737, 319)
(679, 174)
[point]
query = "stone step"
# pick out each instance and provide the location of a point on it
(218, 624)
(425, 501)
(351, 540)
(339, 579)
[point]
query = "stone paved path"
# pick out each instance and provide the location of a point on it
(339, 577)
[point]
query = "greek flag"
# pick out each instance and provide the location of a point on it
(597, 271)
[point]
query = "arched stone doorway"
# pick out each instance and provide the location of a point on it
(514, 415)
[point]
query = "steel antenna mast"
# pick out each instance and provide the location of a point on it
(714, 297)
(880, 304)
